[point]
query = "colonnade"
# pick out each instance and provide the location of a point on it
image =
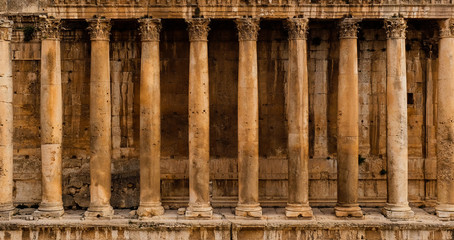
(248, 141)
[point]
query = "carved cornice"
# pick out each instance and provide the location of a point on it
(6, 29)
(99, 28)
(198, 29)
(248, 28)
(446, 28)
(297, 28)
(395, 27)
(49, 27)
(348, 28)
(149, 29)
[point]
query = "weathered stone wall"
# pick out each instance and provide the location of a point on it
(323, 51)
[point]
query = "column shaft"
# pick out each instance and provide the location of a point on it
(150, 121)
(347, 120)
(51, 120)
(6, 121)
(397, 138)
(298, 121)
(445, 122)
(248, 120)
(100, 121)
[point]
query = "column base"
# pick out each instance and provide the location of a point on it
(298, 210)
(248, 210)
(49, 210)
(199, 211)
(398, 211)
(148, 210)
(99, 212)
(7, 211)
(445, 211)
(348, 210)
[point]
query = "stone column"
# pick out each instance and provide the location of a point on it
(396, 124)
(199, 120)
(51, 120)
(150, 120)
(248, 120)
(100, 120)
(445, 122)
(347, 121)
(298, 120)
(6, 121)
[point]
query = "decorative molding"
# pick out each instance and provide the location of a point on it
(297, 28)
(348, 28)
(6, 29)
(49, 27)
(248, 28)
(149, 29)
(395, 27)
(446, 28)
(198, 29)
(99, 28)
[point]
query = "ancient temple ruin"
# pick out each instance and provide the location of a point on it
(227, 119)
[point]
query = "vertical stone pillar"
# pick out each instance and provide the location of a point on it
(150, 120)
(100, 120)
(199, 120)
(396, 124)
(298, 120)
(445, 122)
(347, 121)
(248, 120)
(51, 120)
(6, 121)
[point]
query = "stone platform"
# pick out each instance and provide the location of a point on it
(224, 225)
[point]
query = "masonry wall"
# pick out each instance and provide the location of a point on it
(323, 51)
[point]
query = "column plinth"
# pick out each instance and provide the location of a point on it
(347, 119)
(199, 121)
(6, 121)
(298, 121)
(150, 121)
(248, 120)
(100, 121)
(445, 122)
(397, 133)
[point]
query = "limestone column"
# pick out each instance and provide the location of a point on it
(100, 120)
(396, 124)
(51, 120)
(6, 121)
(150, 120)
(445, 122)
(347, 121)
(248, 120)
(298, 120)
(199, 120)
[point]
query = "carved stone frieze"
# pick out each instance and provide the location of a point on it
(395, 27)
(49, 27)
(6, 29)
(348, 28)
(248, 28)
(99, 28)
(297, 28)
(447, 28)
(149, 29)
(198, 29)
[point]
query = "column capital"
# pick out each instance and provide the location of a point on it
(198, 29)
(49, 27)
(348, 28)
(150, 29)
(99, 28)
(297, 28)
(395, 27)
(248, 28)
(6, 29)
(446, 28)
